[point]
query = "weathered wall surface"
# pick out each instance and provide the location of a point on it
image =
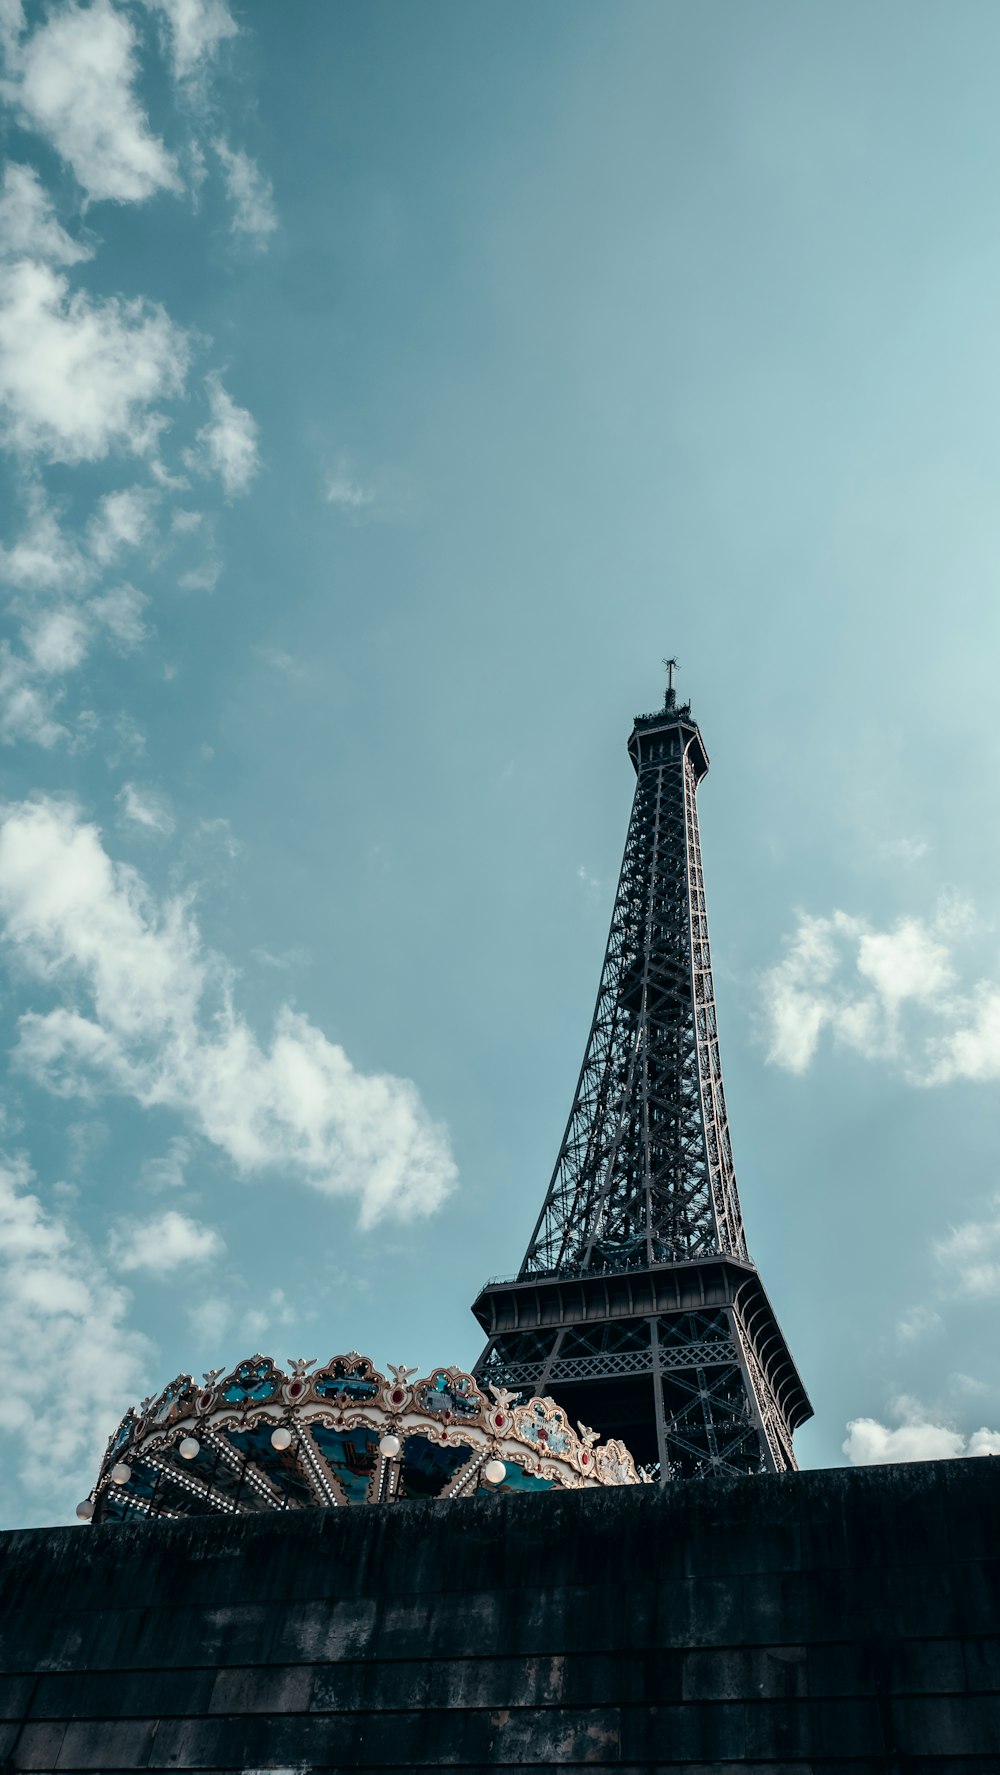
(838, 1621)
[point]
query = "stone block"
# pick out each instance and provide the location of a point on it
(982, 1663)
(738, 1673)
(947, 1725)
(699, 1612)
(15, 1693)
(37, 1745)
(320, 1632)
(106, 1744)
(696, 1732)
(814, 1728)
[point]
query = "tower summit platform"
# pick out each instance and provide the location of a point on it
(637, 1304)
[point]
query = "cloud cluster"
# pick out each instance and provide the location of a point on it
(970, 1254)
(892, 995)
(165, 1243)
(149, 1013)
(914, 1438)
(74, 82)
(71, 1363)
(52, 580)
(80, 375)
(85, 378)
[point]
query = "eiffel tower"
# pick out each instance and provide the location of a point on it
(637, 1305)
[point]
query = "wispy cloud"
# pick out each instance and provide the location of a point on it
(347, 493)
(169, 1170)
(227, 445)
(905, 849)
(918, 1322)
(970, 1254)
(28, 225)
(162, 1028)
(196, 30)
(145, 808)
(249, 192)
(72, 1362)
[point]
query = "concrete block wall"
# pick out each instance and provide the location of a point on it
(835, 1621)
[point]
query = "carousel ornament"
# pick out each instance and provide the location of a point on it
(259, 1439)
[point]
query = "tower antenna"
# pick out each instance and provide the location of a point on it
(671, 697)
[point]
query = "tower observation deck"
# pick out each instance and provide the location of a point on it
(637, 1305)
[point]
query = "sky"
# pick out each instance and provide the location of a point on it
(384, 391)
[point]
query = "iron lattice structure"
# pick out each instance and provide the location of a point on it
(637, 1304)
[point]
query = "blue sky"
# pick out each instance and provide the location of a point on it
(384, 391)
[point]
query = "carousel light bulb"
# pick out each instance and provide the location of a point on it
(121, 1472)
(85, 1509)
(389, 1447)
(281, 1438)
(494, 1472)
(188, 1447)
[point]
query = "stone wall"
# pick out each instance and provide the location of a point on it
(836, 1621)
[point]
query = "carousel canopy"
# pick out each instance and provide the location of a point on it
(260, 1439)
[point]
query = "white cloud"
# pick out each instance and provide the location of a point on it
(121, 611)
(892, 995)
(201, 579)
(972, 1051)
(211, 1318)
(915, 1438)
(43, 558)
(57, 640)
(916, 1322)
(123, 520)
(215, 1318)
(28, 226)
(197, 27)
(227, 445)
(971, 1254)
(165, 1243)
(905, 963)
(344, 492)
(12, 24)
(72, 1365)
(169, 1170)
(161, 1027)
(27, 703)
(903, 850)
(143, 807)
(282, 662)
(249, 192)
(74, 82)
(79, 375)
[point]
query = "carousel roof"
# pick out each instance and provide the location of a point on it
(259, 1439)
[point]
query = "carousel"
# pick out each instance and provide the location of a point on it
(259, 1439)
